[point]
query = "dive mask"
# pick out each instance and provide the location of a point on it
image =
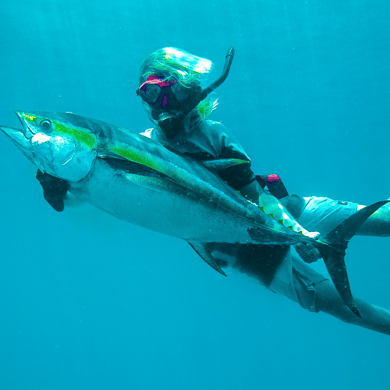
(163, 94)
(169, 101)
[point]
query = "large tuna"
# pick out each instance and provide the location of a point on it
(140, 181)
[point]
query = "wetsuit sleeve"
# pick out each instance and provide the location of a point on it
(237, 176)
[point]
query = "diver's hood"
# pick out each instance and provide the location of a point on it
(172, 123)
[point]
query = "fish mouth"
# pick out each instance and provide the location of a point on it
(22, 118)
(20, 137)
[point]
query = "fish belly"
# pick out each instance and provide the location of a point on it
(158, 204)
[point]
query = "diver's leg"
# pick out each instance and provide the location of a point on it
(315, 293)
(373, 317)
(324, 214)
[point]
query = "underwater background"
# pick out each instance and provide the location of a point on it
(91, 302)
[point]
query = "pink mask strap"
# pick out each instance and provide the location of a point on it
(154, 79)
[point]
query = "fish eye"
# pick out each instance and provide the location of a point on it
(46, 126)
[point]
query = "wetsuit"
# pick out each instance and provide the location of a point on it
(274, 266)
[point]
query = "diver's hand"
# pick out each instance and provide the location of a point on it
(308, 252)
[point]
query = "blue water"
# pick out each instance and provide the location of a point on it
(90, 302)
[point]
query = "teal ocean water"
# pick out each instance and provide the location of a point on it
(91, 302)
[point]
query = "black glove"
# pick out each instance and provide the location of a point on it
(54, 190)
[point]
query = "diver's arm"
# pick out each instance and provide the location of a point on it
(241, 178)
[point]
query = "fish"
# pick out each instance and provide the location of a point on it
(142, 182)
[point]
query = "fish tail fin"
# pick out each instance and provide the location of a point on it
(334, 252)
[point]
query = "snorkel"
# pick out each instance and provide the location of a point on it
(173, 123)
(225, 73)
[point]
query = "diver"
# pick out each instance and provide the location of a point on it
(171, 92)
(172, 95)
